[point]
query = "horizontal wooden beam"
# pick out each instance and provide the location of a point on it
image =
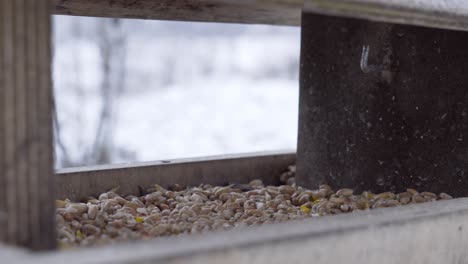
(446, 14)
(449, 14)
(78, 183)
(427, 233)
(261, 12)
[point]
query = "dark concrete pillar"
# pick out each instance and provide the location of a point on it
(398, 119)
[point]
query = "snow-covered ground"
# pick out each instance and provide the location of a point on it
(191, 89)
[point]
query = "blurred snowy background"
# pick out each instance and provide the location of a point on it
(136, 90)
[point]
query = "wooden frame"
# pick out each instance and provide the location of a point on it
(429, 233)
(27, 181)
(448, 14)
(266, 12)
(79, 183)
(26, 175)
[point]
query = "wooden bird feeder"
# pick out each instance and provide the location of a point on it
(383, 106)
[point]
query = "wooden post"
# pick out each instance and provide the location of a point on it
(382, 106)
(26, 160)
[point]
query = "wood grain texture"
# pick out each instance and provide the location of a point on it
(26, 176)
(448, 14)
(261, 12)
(3, 197)
(403, 126)
(80, 183)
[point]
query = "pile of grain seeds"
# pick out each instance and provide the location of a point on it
(163, 212)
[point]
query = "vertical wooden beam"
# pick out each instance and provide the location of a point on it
(382, 106)
(3, 195)
(26, 160)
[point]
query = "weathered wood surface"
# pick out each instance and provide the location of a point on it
(450, 14)
(447, 14)
(429, 233)
(3, 195)
(265, 12)
(392, 118)
(26, 176)
(79, 183)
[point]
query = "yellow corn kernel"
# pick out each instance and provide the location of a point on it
(305, 209)
(79, 235)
